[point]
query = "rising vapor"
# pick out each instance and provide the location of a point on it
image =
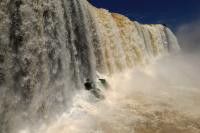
(189, 36)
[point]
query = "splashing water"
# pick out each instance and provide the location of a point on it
(144, 100)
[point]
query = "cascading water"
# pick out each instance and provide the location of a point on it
(49, 48)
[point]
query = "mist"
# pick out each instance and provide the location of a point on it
(161, 97)
(189, 36)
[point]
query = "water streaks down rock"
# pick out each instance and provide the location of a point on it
(48, 49)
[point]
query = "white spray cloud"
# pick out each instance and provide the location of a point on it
(189, 36)
(160, 97)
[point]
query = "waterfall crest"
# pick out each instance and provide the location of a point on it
(125, 43)
(49, 48)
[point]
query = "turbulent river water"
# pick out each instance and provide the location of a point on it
(68, 67)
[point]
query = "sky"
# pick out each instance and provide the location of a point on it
(173, 13)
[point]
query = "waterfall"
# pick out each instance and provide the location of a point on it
(49, 48)
(125, 43)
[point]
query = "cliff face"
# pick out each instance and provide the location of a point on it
(49, 48)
